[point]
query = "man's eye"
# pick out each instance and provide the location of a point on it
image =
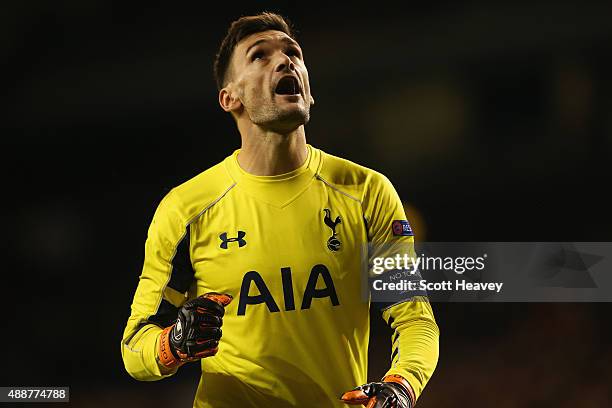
(257, 55)
(293, 52)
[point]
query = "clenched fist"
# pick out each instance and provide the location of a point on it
(196, 332)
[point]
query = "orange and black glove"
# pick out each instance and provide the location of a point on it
(196, 333)
(393, 392)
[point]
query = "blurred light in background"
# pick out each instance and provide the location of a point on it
(416, 125)
(417, 222)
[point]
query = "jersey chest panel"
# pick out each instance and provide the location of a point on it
(241, 236)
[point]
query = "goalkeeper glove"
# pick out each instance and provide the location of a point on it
(393, 392)
(196, 332)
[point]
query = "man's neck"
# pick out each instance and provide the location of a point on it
(266, 153)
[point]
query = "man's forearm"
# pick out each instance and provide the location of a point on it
(415, 342)
(139, 352)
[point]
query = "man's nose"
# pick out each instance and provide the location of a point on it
(285, 64)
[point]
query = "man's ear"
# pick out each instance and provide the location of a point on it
(228, 99)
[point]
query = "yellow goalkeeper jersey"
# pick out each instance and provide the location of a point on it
(288, 249)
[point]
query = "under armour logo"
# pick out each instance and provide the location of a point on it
(239, 239)
(333, 243)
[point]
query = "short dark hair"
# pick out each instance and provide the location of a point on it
(241, 28)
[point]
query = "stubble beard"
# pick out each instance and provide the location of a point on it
(281, 120)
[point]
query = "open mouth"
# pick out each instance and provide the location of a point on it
(288, 86)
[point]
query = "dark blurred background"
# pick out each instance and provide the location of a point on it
(493, 120)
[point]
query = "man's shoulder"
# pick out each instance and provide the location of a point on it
(348, 176)
(196, 194)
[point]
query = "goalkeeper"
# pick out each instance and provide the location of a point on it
(253, 268)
